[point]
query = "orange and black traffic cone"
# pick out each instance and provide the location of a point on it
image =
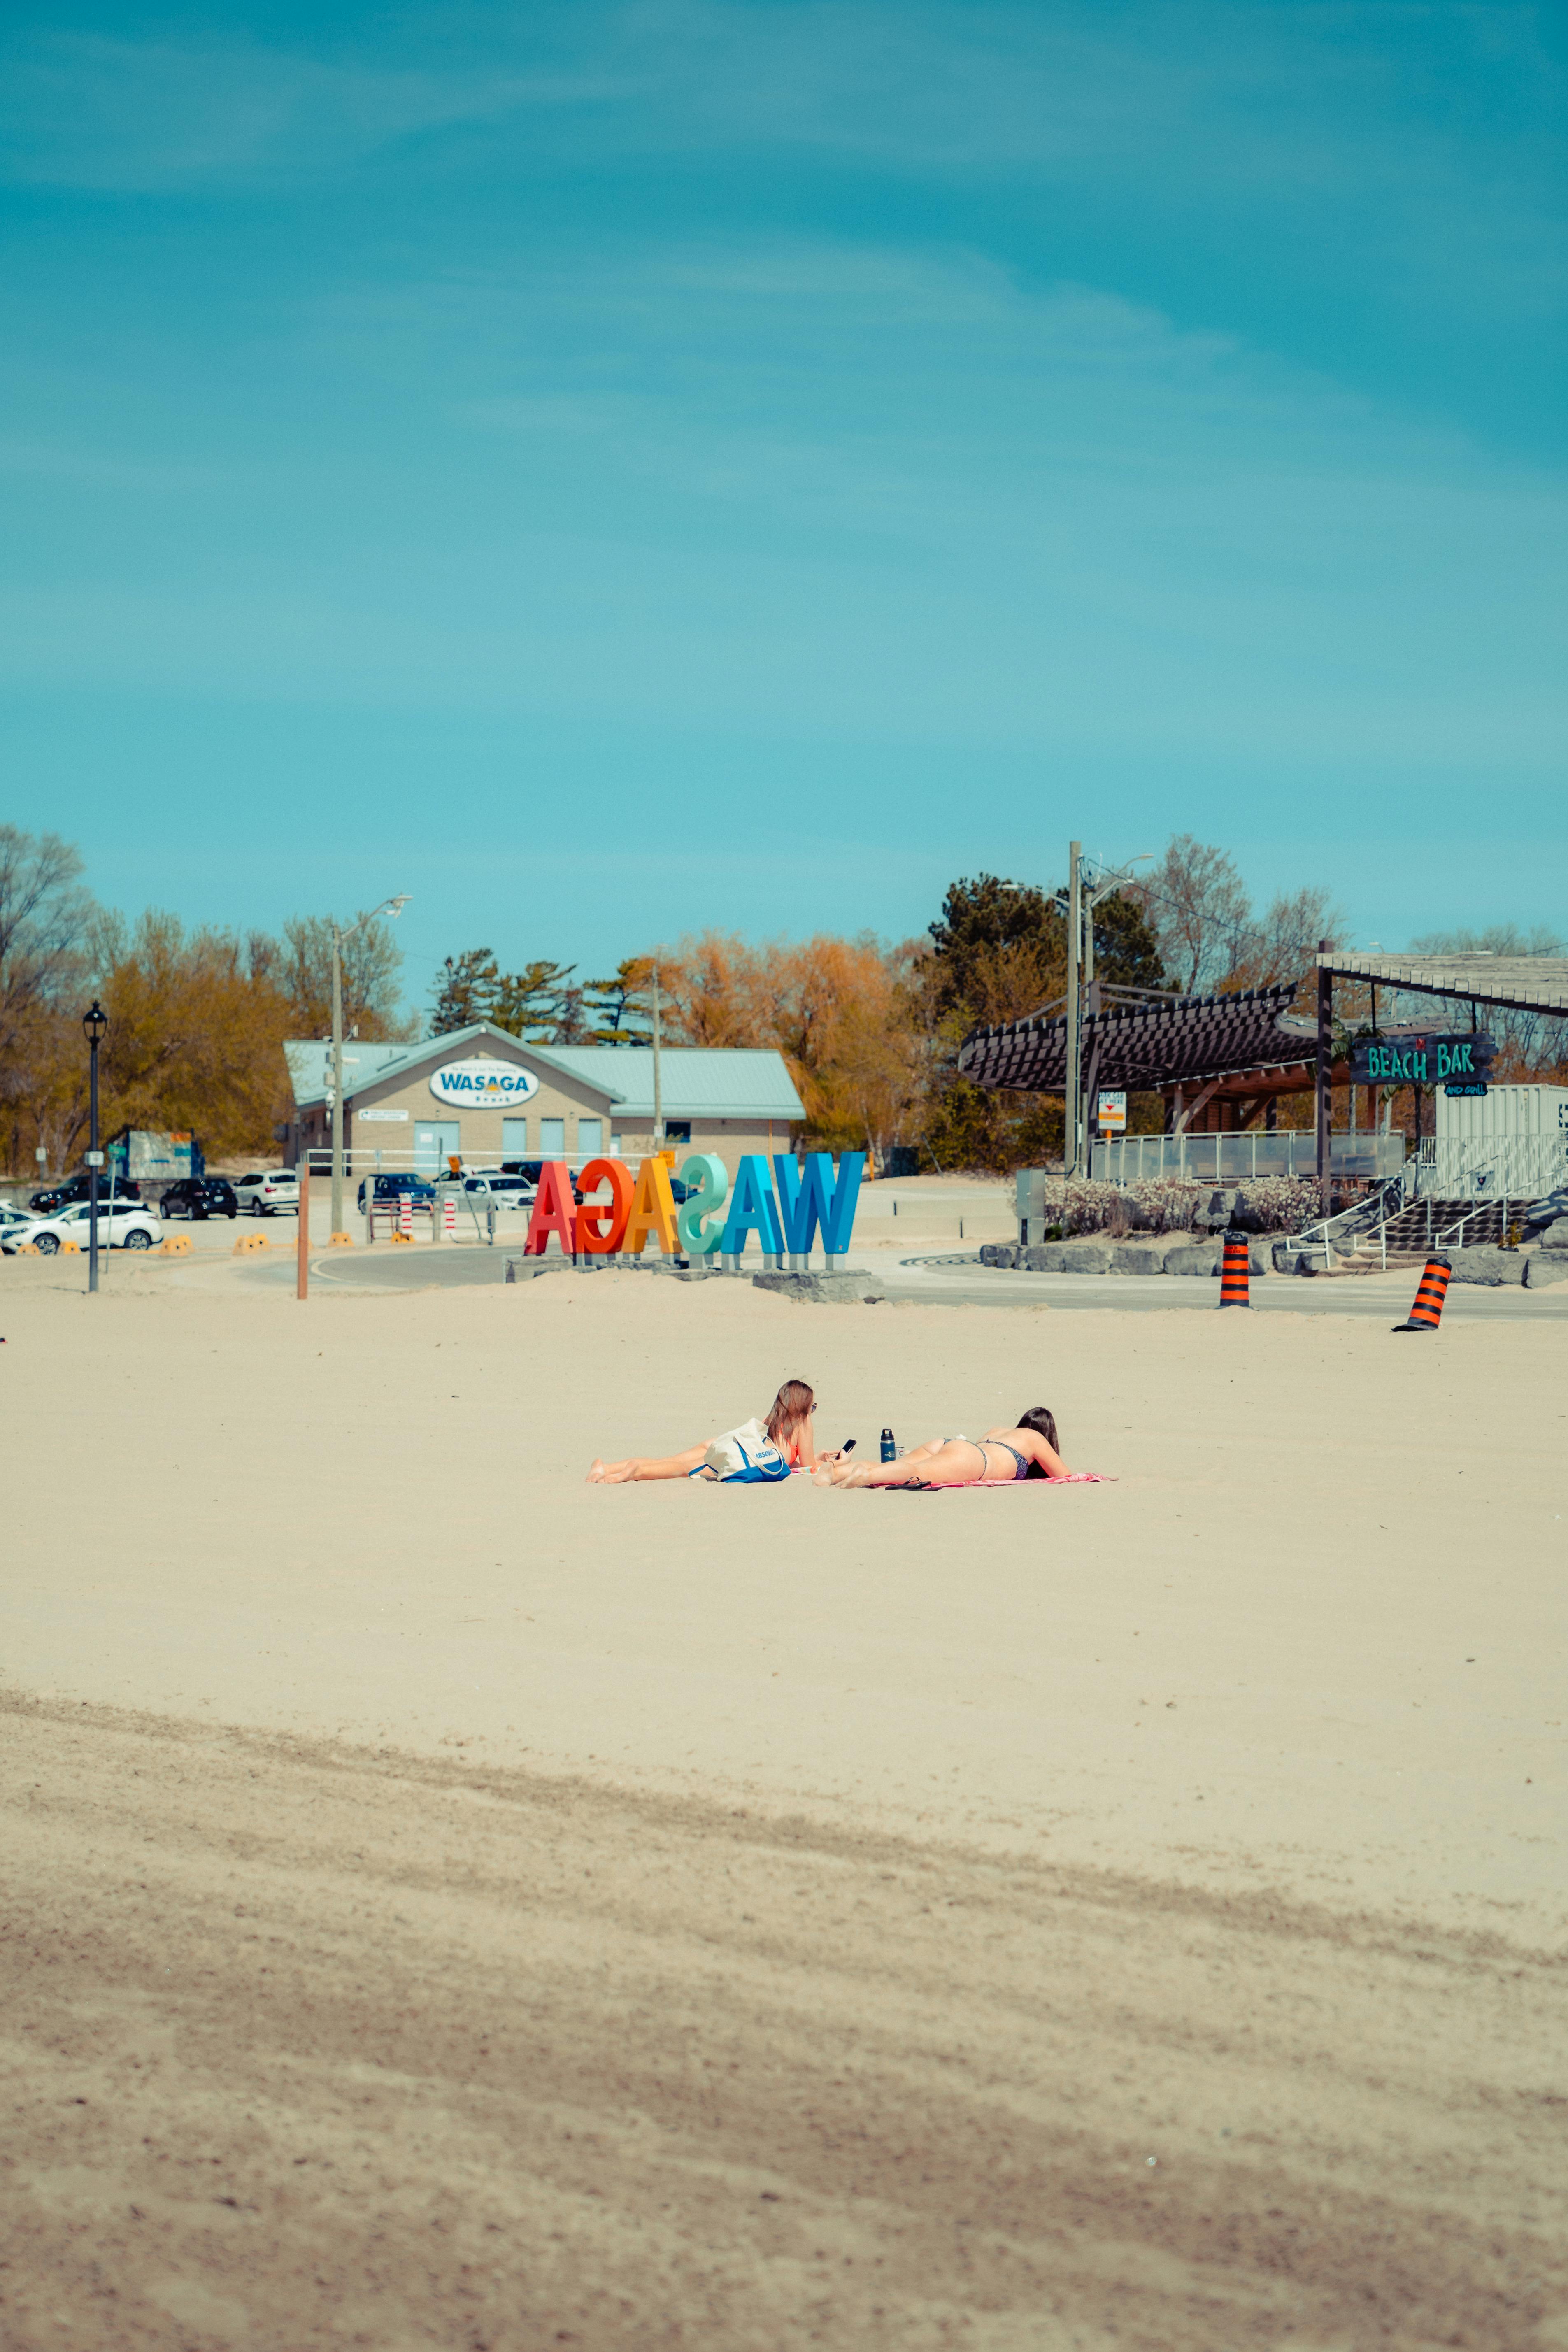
(1430, 1293)
(1234, 1271)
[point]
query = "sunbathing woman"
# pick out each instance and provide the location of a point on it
(755, 1454)
(1029, 1451)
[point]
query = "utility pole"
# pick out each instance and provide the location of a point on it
(1325, 1097)
(1072, 1106)
(337, 1081)
(657, 1088)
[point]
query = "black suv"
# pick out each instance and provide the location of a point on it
(75, 1188)
(393, 1186)
(200, 1196)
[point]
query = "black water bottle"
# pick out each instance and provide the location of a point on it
(889, 1451)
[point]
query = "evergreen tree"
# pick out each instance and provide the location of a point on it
(616, 1010)
(534, 1005)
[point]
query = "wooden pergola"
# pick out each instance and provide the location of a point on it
(1219, 1058)
(1218, 1061)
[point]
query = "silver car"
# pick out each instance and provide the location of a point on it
(263, 1193)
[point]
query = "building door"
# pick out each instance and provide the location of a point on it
(434, 1141)
(514, 1139)
(552, 1139)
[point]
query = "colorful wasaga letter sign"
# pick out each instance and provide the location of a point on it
(621, 1213)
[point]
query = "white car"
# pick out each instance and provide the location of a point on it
(14, 1222)
(268, 1190)
(122, 1224)
(508, 1192)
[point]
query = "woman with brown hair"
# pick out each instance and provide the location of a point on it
(755, 1455)
(1026, 1450)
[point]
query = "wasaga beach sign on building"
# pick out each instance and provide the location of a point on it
(476, 1084)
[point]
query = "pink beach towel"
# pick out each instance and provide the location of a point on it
(1002, 1486)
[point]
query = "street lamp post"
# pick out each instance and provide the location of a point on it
(393, 907)
(1074, 1073)
(657, 1086)
(94, 1022)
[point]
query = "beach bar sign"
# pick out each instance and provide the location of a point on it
(620, 1214)
(480, 1085)
(1460, 1064)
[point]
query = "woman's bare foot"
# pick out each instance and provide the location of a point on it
(595, 1472)
(847, 1474)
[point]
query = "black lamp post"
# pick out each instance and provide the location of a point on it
(93, 1025)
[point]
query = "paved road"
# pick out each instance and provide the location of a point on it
(1384, 1297)
(961, 1280)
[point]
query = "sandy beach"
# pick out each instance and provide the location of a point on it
(452, 1905)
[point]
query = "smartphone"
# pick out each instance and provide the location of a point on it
(848, 1446)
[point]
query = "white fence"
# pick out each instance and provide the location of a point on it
(1214, 1158)
(1509, 1167)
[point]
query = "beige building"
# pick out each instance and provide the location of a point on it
(483, 1097)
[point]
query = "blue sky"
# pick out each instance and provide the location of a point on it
(609, 470)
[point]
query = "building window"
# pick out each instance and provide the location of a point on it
(552, 1139)
(589, 1137)
(677, 1130)
(514, 1139)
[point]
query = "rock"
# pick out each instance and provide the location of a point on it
(1555, 1237)
(1084, 1256)
(1138, 1257)
(1042, 1258)
(1245, 1218)
(1198, 1257)
(823, 1289)
(1486, 1264)
(1000, 1254)
(1544, 1266)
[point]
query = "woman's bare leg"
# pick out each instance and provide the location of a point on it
(621, 1473)
(940, 1463)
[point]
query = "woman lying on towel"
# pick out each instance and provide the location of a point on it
(753, 1455)
(996, 1460)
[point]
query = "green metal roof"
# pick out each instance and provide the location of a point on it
(697, 1081)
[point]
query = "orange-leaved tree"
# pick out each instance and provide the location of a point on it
(840, 1011)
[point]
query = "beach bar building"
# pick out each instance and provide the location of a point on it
(483, 1097)
(1222, 1063)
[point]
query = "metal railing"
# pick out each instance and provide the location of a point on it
(1211, 1158)
(362, 1167)
(1367, 1219)
(1488, 1172)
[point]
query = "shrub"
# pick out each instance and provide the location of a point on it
(1274, 1204)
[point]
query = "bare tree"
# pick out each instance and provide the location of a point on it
(373, 965)
(1529, 1044)
(1196, 903)
(44, 914)
(1280, 946)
